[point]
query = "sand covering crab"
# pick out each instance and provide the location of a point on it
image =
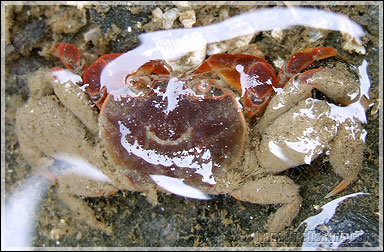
(193, 130)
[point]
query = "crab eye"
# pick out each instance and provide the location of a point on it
(138, 83)
(205, 87)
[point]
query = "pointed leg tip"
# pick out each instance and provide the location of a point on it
(330, 194)
(343, 184)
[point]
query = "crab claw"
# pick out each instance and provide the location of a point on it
(259, 83)
(251, 75)
(301, 60)
(92, 77)
(70, 56)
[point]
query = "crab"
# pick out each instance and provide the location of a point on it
(229, 127)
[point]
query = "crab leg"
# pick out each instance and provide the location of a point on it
(252, 76)
(301, 60)
(340, 187)
(273, 190)
(347, 162)
(332, 82)
(291, 109)
(303, 133)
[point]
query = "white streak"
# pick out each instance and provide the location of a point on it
(79, 166)
(20, 209)
(314, 239)
(178, 187)
(22, 206)
(278, 152)
(308, 144)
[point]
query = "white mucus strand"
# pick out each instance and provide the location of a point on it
(363, 135)
(239, 104)
(305, 112)
(352, 111)
(83, 87)
(353, 95)
(279, 92)
(74, 164)
(364, 79)
(313, 238)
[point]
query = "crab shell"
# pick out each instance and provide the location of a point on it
(175, 132)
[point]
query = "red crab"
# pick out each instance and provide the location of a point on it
(191, 130)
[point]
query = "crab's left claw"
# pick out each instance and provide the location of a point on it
(70, 56)
(91, 77)
(251, 75)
